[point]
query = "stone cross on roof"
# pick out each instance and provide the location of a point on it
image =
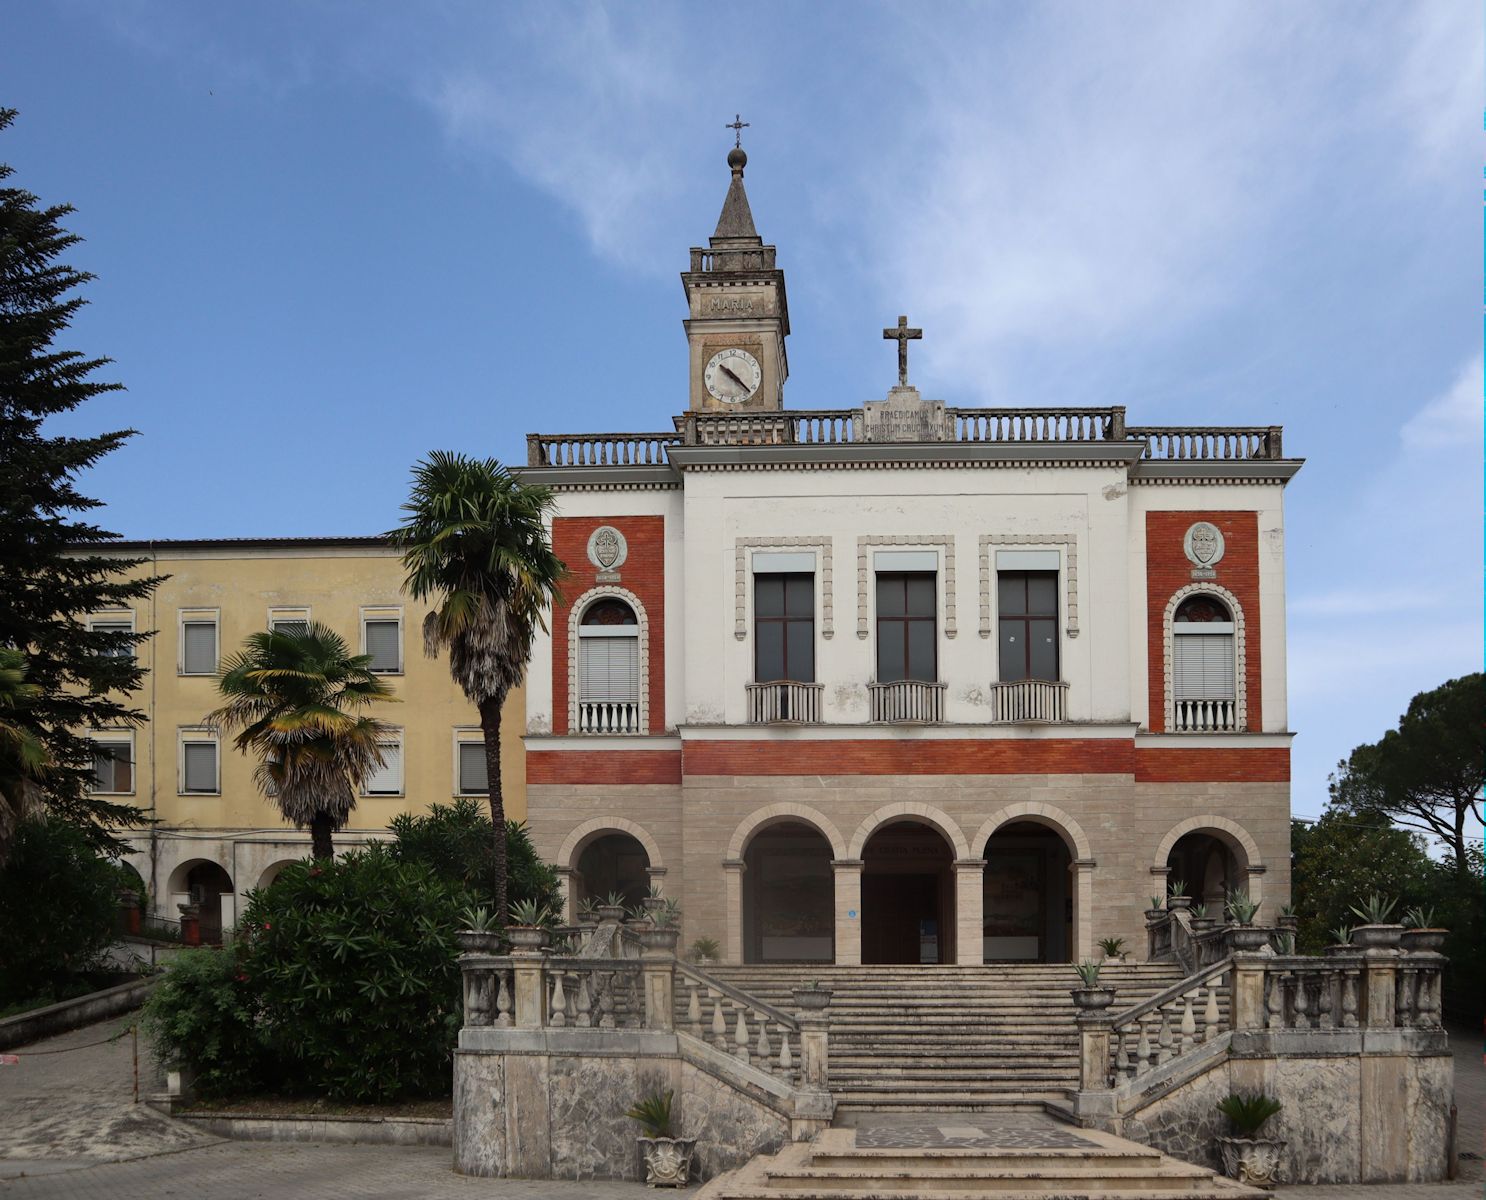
(902, 335)
(738, 125)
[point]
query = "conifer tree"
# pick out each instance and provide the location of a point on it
(52, 575)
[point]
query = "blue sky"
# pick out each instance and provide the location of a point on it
(331, 236)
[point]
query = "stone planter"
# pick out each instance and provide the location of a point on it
(661, 940)
(1417, 940)
(1203, 924)
(1152, 915)
(813, 999)
(526, 937)
(478, 941)
(1377, 937)
(1338, 948)
(610, 913)
(1248, 938)
(1175, 902)
(1255, 1161)
(1091, 999)
(667, 1160)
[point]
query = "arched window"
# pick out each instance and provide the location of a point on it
(1204, 670)
(609, 668)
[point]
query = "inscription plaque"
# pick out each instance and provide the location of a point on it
(906, 417)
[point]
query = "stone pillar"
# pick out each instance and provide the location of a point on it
(1380, 977)
(660, 990)
(733, 868)
(815, 1050)
(1248, 1010)
(190, 924)
(567, 903)
(848, 873)
(1254, 883)
(531, 997)
(1093, 1053)
(970, 875)
(1081, 876)
(657, 877)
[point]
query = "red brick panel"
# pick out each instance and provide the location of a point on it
(603, 766)
(852, 756)
(1168, 569)
(1266, 764)
(643, 572)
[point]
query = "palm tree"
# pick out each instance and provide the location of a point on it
(475, 540)
(23, 757)
(296, 700)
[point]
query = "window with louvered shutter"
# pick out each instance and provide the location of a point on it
(382, 644)
(1202, 666)
(609, 670)
(198, 648)
(294, 626)
(474, 779)
(387, 780)
(199, 767)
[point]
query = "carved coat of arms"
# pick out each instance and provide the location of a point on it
(1204, 544)
(607, 549)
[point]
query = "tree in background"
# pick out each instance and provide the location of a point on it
(456, 841)
(475, 542)
(54, 575)
(23, 759)
(296, 700)
(1427, 774)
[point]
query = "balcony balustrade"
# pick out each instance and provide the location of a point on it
(784, 701)
(1029, 700)
(1205, 716)
(907, 701)
(609, 716)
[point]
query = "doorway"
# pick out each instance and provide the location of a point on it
(908, 913)
(1028, 901)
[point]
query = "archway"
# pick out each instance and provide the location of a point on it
(908, 895)
(789, 905)
(204, 883)
(1211, 864)
(609, 864)
(1029, 902)
(271, 872)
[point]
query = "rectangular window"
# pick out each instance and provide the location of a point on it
(609, 670)
(784, 627)
(199, 766)
(289, 620)
(120, 623)
(198, 644)
(113, 765)
(1202, 666)
(381, 638)
(1027, 611)
(906, 635)
(473, 776)
(387, 779)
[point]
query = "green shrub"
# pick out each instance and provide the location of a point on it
(457, 843)
(204, 1013)
(1248, 1113)
(58, 905)
(352, 963)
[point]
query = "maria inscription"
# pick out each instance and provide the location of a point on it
(906, 417)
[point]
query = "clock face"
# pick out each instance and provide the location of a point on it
(732, 376)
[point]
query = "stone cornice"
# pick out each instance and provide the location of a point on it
(870, 455)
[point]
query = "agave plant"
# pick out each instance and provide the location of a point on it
(1113, 947)
(1341, 935)
(1088, 971)
(1419, 917)
(1377, 909)
(587, 910)
(1198, 911)
(1242, 909)
(1248, 1113)
(1156, 901)
(480, 920)
(615, 900)
(1177, 887)
(653, 1112)
(667, 915)
(529, 913)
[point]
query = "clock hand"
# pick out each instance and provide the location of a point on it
(728, 372)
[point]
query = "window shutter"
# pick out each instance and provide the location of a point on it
(294, 626)
(472, 774)
(609, 670)
(199, 648)
(200, 761)
(387, 779)
(1202, 666)
(381, 644)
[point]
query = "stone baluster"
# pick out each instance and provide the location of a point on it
(1325, 1001)
(1274, 1002)
(503, 1015)
(763, 1050)
(740, 1036)
(473, 1015)
(1349, 998)
(1163, 1037)
(1210, 1014)
(1189, 1024)
(604, 981)
(1299, 1018)
(1122, 1068)
(583, 1003)
(558, 1012)
(719, 1024)
(1143, 1052)
(786, 1059)
(694, 1011)
(1430, 980)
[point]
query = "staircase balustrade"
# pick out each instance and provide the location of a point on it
(750, 1030)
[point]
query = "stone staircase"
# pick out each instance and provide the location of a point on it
(947, 1038)
(1008, 1157)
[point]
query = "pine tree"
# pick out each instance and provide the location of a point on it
(51, 573)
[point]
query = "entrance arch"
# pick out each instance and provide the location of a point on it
(908, 894)
(1028, 895)
(202, 882)
(611, 863)
(1213, 856)
(789, 895)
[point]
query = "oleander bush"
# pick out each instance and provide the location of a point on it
(457, 842)
(205, 1012)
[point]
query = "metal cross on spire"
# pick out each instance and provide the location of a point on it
(738, 125)
(902, 335)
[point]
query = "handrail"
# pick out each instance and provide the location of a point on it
(697, 975)
(1175, 992)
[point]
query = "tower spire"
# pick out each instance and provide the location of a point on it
(736, 220)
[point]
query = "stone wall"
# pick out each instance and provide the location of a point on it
(536, 1115)
(1369, 1107)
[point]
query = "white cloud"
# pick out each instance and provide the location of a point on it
(1452, 420)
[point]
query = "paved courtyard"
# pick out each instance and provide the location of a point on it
(69, 1129)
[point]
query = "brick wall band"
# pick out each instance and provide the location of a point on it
(643, 572)
(603, 766)
(1168, 569)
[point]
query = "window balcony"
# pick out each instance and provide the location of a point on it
(609, 716)
(784, 702)
(1205, 716)
(907, 701)
(1043, 700)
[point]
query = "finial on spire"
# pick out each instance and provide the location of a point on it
(738, 125)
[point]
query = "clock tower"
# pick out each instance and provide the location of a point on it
(738, 316)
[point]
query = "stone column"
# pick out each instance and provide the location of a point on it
(567, 903)
(970, 875)
(531, 997)
(1254, 883)
(733, 869)
(1380, 976)
(1081, 876)
(848, 873)
(1248, 1010)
